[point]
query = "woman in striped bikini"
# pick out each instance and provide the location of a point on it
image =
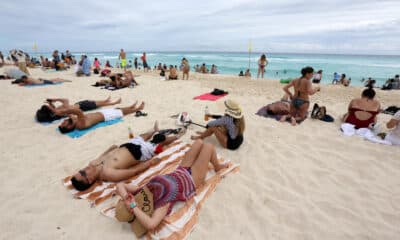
(179, 185)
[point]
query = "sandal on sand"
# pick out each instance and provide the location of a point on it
(140, 114)
(315, 111)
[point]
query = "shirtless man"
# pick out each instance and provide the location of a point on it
(50, 112)
(300, 99)
(33, 81)
(77, 119)
(120, 163)
(122, 57)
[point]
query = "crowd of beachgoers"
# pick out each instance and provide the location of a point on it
(119, 163)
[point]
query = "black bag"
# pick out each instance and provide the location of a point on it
(218, 92)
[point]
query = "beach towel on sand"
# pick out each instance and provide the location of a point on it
(180, 222)
(209, 97)
(366, 133)
(44, 84)
(79, 133)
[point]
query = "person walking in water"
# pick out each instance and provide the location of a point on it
(262, 63)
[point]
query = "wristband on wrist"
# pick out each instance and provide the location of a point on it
(133, 205)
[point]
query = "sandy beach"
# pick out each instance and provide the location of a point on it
(304, 182)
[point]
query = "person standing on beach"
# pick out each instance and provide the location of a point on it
(135, 63)
(185, 68)
(144, 61)
(122, 57)
(317, 77)
(262, 63)
(300, 99)
(1, 59)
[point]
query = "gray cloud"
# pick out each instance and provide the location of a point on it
(334, 26)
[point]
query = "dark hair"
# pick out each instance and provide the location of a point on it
(112, 78)
(397, 76)
(306, 70)
(80, 185)
(24, 77)
(65, 130)
(44, 114)
(369, 93)
(270, 112)
(343, 75)
(158, 138)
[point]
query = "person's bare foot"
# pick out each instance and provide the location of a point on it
(199, 132)
(134, 105)
(118, 101)
(221, 166)
(195, 137)
(108, 99)
(283, 119)
(156, 128)
(141, 107)
(293, 121)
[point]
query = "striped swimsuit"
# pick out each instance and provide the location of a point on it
(173, 187)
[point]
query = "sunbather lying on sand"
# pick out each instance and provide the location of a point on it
(120, 163)
(33, 81)
(77, 119)
(118, 80)
(278, 108)
(50, 112)
(179, 185)
(228, 129)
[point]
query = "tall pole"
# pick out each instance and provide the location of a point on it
(249, 53)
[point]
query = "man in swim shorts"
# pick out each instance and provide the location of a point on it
(50, 112)
(78, 120)
(33, 81)
(122, 57)
(129, 159)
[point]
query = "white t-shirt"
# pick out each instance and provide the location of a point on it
(394, 135)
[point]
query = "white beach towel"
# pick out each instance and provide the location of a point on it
(366, 133)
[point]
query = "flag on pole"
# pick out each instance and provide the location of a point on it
(250, 46)
(34, 46)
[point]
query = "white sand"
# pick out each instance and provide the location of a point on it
(304, 182)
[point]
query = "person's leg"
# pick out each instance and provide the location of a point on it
(132, 109)
(219, 132)
(192, 154)
(55, 80)
(258, 73)
(199, 167)
(146, 136)
(107, 102)
(302, 112)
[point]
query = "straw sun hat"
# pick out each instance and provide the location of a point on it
(144, 201)
(233, 109)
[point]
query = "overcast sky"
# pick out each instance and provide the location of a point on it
(325, 26)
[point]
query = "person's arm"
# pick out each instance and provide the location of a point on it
(78, 113)
(311, 90)
(152, 222)
(219, 122)
(116, 175)
(286, 88)
(64, 101)
(172, 139)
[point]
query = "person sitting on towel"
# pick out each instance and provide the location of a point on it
(362, 111)
(50, 112)
(180, 185)
(25, 80)
(78, 120)
(123, 162)
(394, 135)
(227, 129)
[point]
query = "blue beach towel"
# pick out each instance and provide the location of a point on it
(41, 85)
(79, 133)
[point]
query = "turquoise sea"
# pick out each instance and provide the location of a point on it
(280, 65)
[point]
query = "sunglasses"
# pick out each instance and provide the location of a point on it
(83, 174)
